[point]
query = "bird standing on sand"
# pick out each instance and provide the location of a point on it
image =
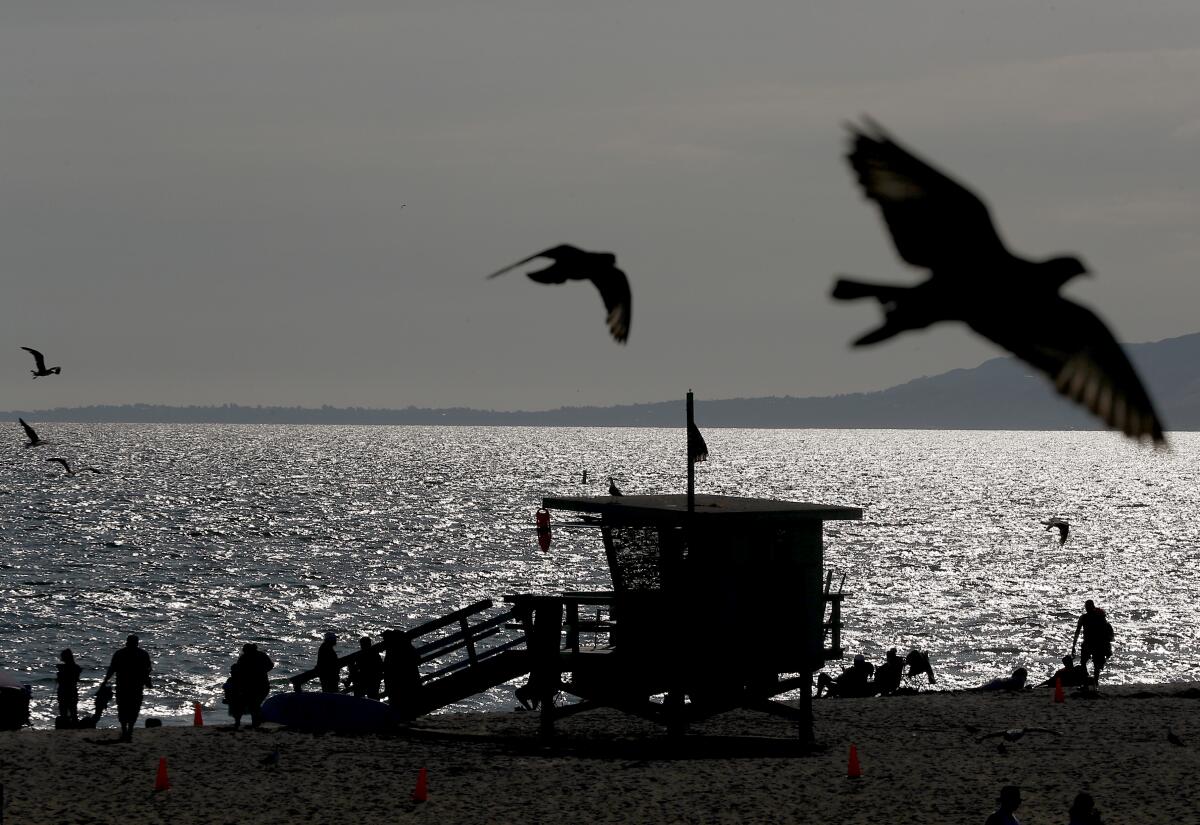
(40, 361)
(574, 264)
(1063, 528)
(940, 225)
(70, 472)
(1013, 734)
(612, 487)
(31, 434)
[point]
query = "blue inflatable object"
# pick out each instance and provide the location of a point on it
(336, 712)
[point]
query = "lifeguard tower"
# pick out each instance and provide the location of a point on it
(712, 609)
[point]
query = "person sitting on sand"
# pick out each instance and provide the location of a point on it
(854, 681)
(1013, 683)
(918, 663)
(1071, 674)
(888, 674)
(1010, 800)
(327, 664)
(1083, 810)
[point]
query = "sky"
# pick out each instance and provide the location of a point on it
(296, 203)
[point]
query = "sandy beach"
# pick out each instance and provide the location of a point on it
(921, 758)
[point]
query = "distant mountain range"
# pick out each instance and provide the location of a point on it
(1000, 394)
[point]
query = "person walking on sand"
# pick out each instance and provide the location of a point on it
(327, 664)
(1097, 639)
(1010, 800)
(401, 672)
(68, 689)
(132, 667)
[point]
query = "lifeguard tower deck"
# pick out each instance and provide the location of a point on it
(712, 609)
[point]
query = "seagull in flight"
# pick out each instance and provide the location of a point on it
(1013, 734)
(612, 487)
(31, 434)
(574, 264)
(1063, 528)
(938, 224)
(40, 360)
(70, 472)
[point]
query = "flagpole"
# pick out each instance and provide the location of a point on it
(691, 495)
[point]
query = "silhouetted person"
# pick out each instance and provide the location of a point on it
(131, 665)
(1071, 674)
(584, 477)
(39, 361)
(1064, 529)
(1010, 800)
(888, 674)
(366, 670)
(1012, 683)
(938, 224)
(918, 663)
(254, 681)
(854, 681)
(613, 490)
(235, 694)
(327, 664)
(1097, 638)
(1083, 810)
(401, 672)
(68, 688)
(574, 264)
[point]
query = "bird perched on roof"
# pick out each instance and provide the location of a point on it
(574, 264)
(70, 472)
(1013, 734)
(938, 224)
(40, 361)
(31, 434)
(612, 487)
(1063, 528)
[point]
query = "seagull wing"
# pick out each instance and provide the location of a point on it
(553, 252)
(992, 735)
(935, 222)
(29, 431)
(1042, 730)
(614, 290)
(1086, 364)
(61, 461)
(38, 357)
(96, 470)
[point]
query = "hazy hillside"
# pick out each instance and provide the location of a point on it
(1000, 394)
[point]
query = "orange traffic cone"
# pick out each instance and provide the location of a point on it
(161, 783)
(197, 716)
(853, 769)
(1058, 691)
(421, 792)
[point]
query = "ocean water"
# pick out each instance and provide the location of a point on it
(202, 537)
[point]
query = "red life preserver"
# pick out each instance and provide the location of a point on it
(542, 516)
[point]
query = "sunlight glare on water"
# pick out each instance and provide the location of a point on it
(202, 537)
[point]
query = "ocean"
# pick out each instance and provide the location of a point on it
(202, 537)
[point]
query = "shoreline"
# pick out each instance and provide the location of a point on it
(921, 756)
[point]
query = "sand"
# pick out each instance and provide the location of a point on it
(920, 755)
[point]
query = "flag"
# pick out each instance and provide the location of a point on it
(697, 449)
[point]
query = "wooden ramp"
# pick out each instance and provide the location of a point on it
(459, 655)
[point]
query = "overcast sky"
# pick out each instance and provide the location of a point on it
(200, 202)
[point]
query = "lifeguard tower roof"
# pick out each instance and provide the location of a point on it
(709, 508)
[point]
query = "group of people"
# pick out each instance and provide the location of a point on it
(865, 679)
(131, 667)
(1083, 809)
(370, 675)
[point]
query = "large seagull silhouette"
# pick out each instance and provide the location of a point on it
(938, 224)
